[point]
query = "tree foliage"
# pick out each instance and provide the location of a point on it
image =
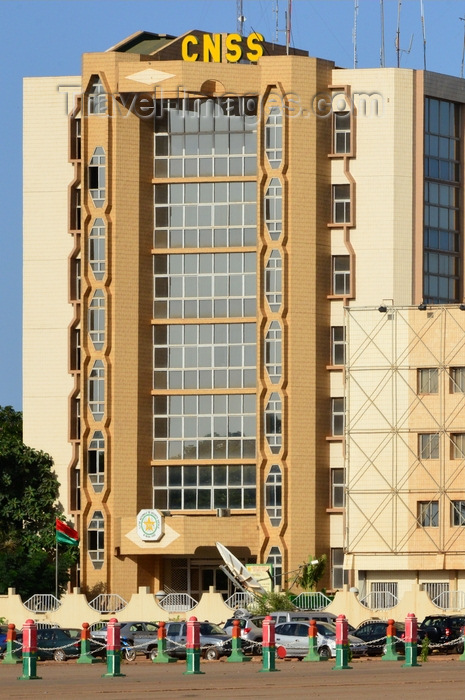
(28, 508)
(309, 574)
(271, 601)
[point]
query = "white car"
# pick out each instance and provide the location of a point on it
(293, 636)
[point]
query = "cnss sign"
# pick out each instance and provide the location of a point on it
(209, 47)
(150, 525)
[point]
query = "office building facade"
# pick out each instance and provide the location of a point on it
(228, 223)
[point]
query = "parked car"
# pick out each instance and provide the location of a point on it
(139, 634)
(214, 642)
(298, 615)
(441, 629)
(373, 632)
(251, 632)
(3, 633)
(293, 636)
(56, 643)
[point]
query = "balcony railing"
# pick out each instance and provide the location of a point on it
(379, 600)
(42, 603)
(177, 602)
(311, 601)
(108, 603)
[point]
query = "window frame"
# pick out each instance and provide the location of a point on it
(340, 275)
(428, 380)
(341, 205)
(344, 132)
(428, 513)
(338, 346)
(428, 446)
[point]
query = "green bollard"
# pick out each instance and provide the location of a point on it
(162, 656)
(237, 655)
(313, 654)
(342, 645)
(462, 655)
(85, 657)
(10, 655)
(391, 653)
(113, 650)
(29, 652)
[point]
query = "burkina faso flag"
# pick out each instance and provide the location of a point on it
(65, 534)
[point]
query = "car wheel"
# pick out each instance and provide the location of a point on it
(258, 648)
(324, 652)
(459, 648)
(211, 654)
(59, 655)
(129, 653)
(153, 653)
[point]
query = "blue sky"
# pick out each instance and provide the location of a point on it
(48, 37)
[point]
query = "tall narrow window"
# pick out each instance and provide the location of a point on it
(274, 137)
(342, 132)
(97, 319)
(273, 423)
(97, 99)
(428, 381)
(458, 445)
(337, 416)
(442, 247)
(341, 204)
(337, 567)
(97, 390)
(75, 209)
(97, 249)
(275, 558)
(457, 513)
(273, 495)
(341, 274)
(457, 380)
(96, 461)
(96, 539)
(97, 177)
(273, 209)
(429, 445)
(338, 345)
(338, 488)
(273, 280)
(273, 352)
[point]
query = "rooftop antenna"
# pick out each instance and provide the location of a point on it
(288, 25)
(463, 50)
(240, 17)
(354, 33)
(399, 51)
(424, 32)
(381, 53)
(276, 12)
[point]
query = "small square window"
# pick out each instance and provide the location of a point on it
(428, 381)
(428, 513)
(429, 445)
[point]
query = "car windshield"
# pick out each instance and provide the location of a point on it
(210, 629)
(326, 629)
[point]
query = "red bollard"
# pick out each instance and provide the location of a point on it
(10, 656)
(411, 636)
(313, 654)
(193, 647)
(268, 645)
(85, 657)
(113, 649)
(342, 644)
(391, 653)
(29, 652)
(160, 655)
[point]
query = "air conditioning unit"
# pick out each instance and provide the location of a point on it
(222, 512)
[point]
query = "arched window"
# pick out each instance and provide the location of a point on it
(97, 319)
(97, 390)
(97, 249)
(96, 539)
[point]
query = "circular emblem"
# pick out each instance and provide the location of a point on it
(150, 525)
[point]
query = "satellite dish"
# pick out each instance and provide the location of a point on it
(239, 571)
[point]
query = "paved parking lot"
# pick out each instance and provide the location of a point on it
(370, 679)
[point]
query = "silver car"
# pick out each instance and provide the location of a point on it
(139, 634)
(251, 632)
(293, 636)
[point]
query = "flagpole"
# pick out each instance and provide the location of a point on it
(56, 568)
